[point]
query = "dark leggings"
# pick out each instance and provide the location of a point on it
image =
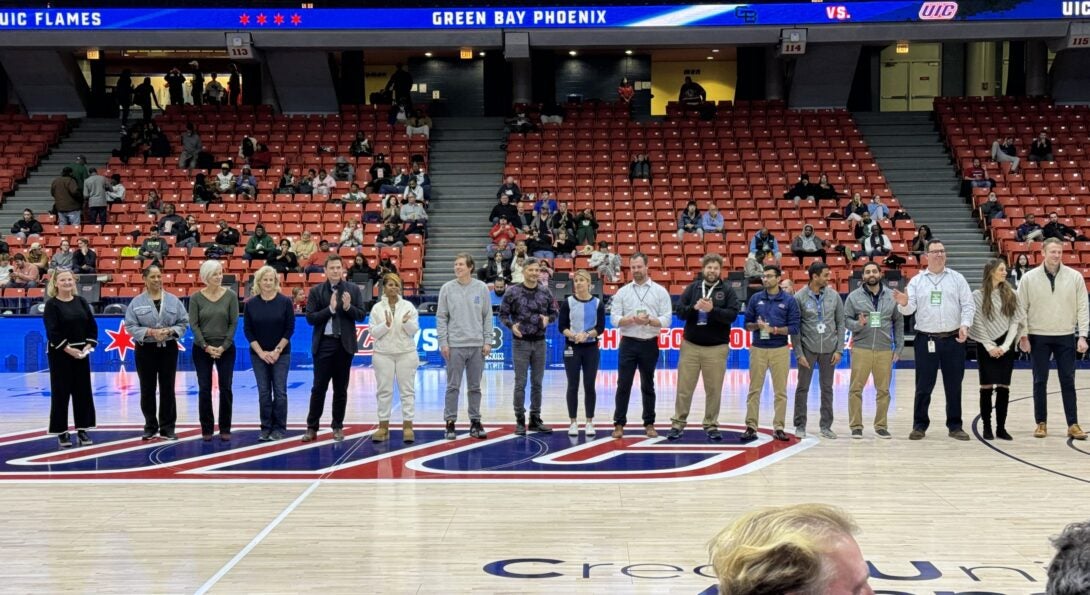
(584, 358)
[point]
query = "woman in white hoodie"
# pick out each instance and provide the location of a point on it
(394, 322)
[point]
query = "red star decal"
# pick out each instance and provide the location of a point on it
(296, 19)
(244, 19)
(120, 340)
(262, 19)
(278, 19)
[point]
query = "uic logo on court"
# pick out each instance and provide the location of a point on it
(120, 455)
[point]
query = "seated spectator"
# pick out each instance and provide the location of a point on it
(919, 243)
(496, 267)
(5, 270)
(1004, 151)
(418, 123)
(524, 219)
(1019, 270)
(552, 113)
(399, 112)
(202, 193)
(712, 221)
(260, 245)
(855, 209)
(503, 209)
(764, 242)
(1030, 231)
(502, 231)
(975, 177)
(808, 243)
(324, 184)
(802, 190)
(288, 182)
(511, 189)
(546, 199)
(824, 190)
(171, 222)
(262, 158)
(307, 183)
(354, 196)
(227, 237)
(414, 216)
(514, 266)
(158, 144)
(361, 147)
(189, 235)
(225, 180)
(499, 288)
(299, 300)
(343, 171)
(23, 274)
(691, 93)
(84, 259)
(27, 226)
(878, 209)
(391, 236)
(361, 268)
(316, 262)
(380, 172)
(586, 227)
(413, 190)
(690, 221)
(864, 228)
(606, 263)
(386, 266)
(876, 243)
(563, 245)
(640, 168)
(992, 209)
(115, 192)
(305, 246)
(1041, 148)
(396, 184)
(352, 234)
(154, 248)
(501, 247)
(1056, 229)
(753, 268)
(247, 147)
(283, 259)
(518, 122)
(391, 208)
(62, 258)
(422, 180)
(542, 223)
(538, 245)
(38, 257)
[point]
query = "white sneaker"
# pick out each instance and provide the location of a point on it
(589, 428)
(573, 429)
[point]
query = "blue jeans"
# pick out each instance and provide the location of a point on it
(272, 392)
(69, 217)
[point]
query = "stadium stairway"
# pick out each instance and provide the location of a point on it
(918, 170)
(93, 138)
(465, 166)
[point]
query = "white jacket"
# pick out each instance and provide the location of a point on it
(400, 337)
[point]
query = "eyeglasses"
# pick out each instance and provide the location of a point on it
(936, 251)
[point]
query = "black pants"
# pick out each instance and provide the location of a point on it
(584, 358)
(1043, 348)
(636, 354)
(949, 357)
(198, 94)
(145, 111)
(157, 366)
(331, 362)
(225, 371)
(97, 215)
(69, 379)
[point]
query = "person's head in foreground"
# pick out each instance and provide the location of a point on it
(1069, 571)
(804, 549)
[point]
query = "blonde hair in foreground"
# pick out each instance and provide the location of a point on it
(261, 274)
(777, 550)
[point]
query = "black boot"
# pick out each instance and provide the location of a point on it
(1002, 399)
(520, 425)
(986, 412)
(536, 425)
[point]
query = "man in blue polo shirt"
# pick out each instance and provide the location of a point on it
(771, 315)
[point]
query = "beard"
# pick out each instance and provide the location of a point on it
(710, 278)
(873, 282)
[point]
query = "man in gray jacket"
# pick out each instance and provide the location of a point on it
(878, 334)
(820, 343)
(94, 191)
(463, 324)
(191, 147)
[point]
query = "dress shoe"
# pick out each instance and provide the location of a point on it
(618, 432)
(310, 435)
(1075, 432)
(749, 435)
(338, 434)
(959, 434)
(649, 430)
(780, 435)
(1041, 431)
(206, 437)
(673, 434)
(917, 435)
(225, 436)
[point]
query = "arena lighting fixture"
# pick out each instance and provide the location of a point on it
(628, 52)
(715, 51)
(711, 57)
(427, 54)
(573, 53)
(482, 54)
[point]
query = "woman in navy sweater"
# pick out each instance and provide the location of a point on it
(268, 324)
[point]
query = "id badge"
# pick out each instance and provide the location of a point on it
(820, 327)
(874, 319)
(765, 335)
(568, 352)
(931, 346)
(936, 298)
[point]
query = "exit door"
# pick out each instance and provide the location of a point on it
(909, 85)
(894, 87)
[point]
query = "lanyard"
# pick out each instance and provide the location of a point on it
(819, 303)
(935, 284)
(706, 291)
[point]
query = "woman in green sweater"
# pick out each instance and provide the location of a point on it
(213, 315)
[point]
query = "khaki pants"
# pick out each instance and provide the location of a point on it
(694, 362)
(761, 360)
(865, 363)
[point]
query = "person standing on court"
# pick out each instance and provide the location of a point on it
(394, 322)
(1053, 304)
(72, 333)
(771, 315)
(268, 324)
(640, 310)
(582, 321)
(996, 325)
(878, 334)
(943, 303)
(820, 343)
(708, 308)
(527, 309)
(334, 306)
(463, 325)
(156, 319)
(213, 316)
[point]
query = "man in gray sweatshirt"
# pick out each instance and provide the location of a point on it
(191, 147)
(463, 323)
(94, 192)
(878, 333)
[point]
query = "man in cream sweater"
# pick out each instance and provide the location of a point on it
(1053, 303)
